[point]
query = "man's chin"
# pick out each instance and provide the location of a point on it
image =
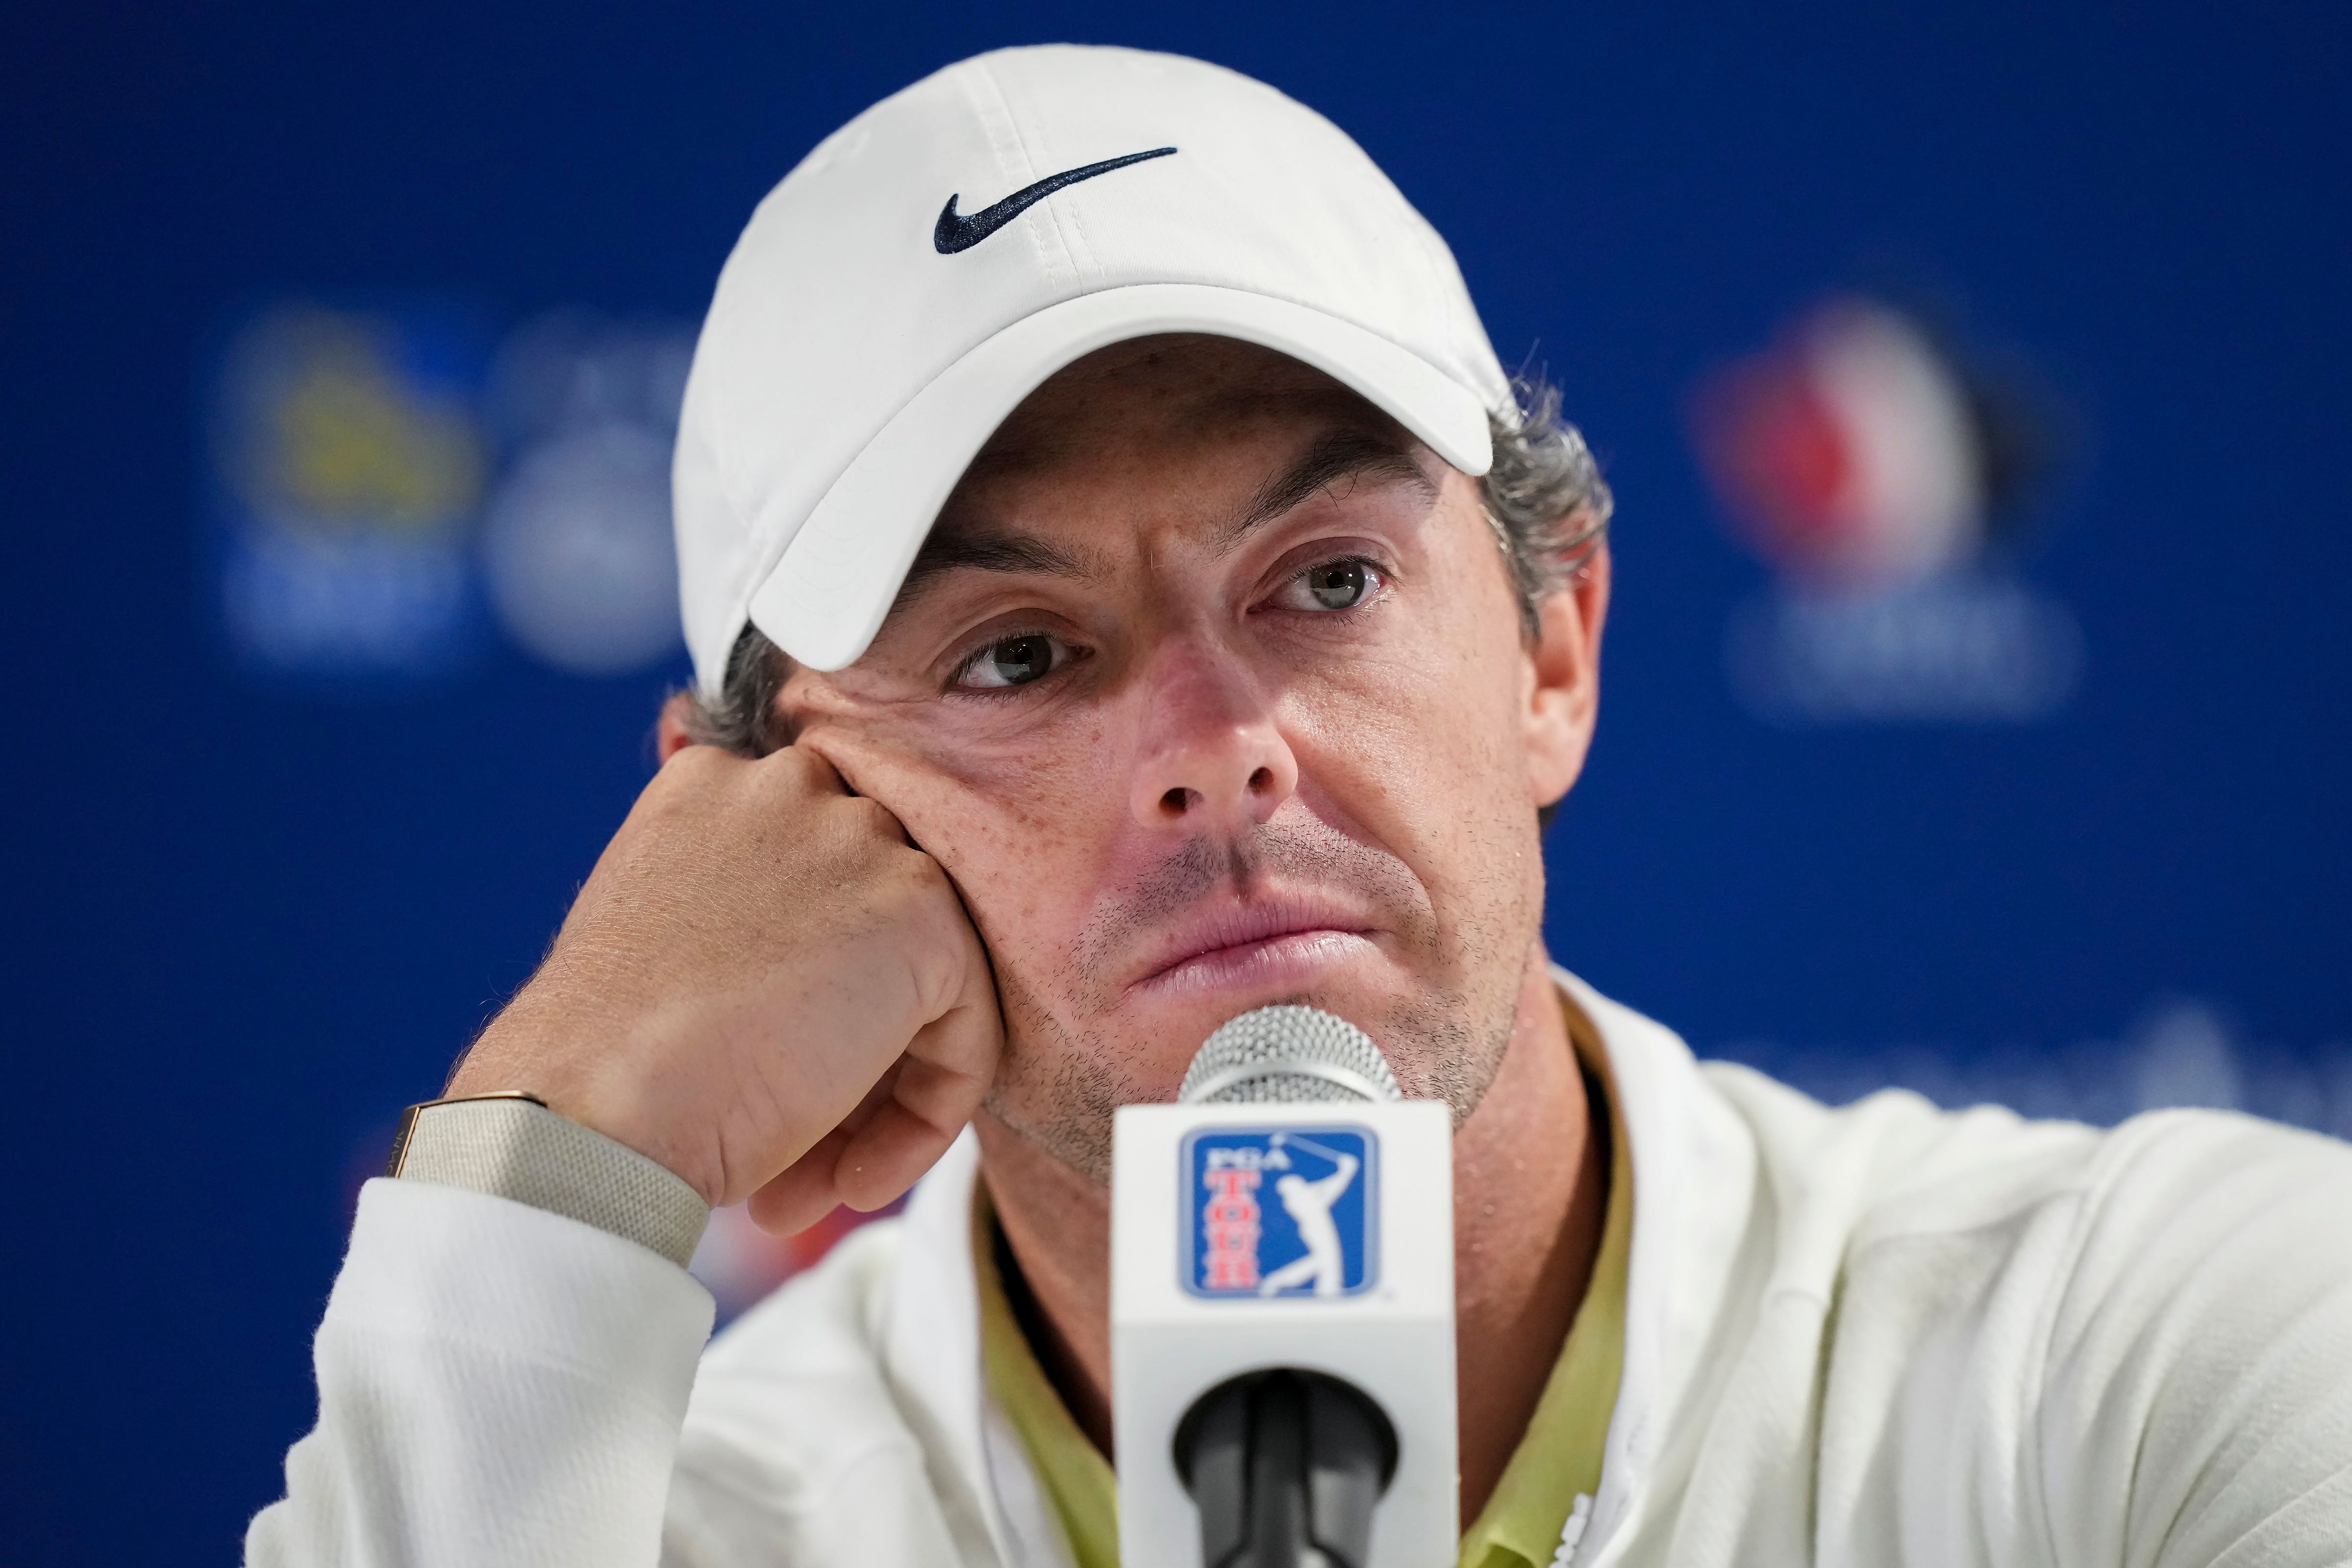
(1443, 1042)
(1059, 1086)
(1069, 1068)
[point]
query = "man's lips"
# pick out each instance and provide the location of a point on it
(1277, 937)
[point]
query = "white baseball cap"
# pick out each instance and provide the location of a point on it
(934, 260)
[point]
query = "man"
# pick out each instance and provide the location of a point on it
(1124, 593)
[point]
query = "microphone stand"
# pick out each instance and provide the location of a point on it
(1286, 1466)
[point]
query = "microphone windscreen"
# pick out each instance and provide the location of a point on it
(1287, 1053)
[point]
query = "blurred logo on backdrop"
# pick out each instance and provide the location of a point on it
(389, 483)
(348, 466)
(577, 542)
(1883, 477)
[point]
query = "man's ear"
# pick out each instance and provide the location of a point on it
(673, 731)
(1564, 695)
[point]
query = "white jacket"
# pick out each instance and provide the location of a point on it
(1877, 1335)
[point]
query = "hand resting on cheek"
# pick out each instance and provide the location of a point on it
(763, 986)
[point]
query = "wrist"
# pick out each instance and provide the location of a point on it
(563, 1070)
(512, 1145)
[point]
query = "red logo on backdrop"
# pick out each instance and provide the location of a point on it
(1851, 452)
(1871, 464)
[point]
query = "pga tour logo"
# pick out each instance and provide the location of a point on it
(1281, 1211)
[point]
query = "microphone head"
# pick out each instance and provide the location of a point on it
(1287, 1053)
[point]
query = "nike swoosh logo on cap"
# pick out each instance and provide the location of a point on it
(952, 233)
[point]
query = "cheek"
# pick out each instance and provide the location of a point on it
(1021, 828)
(1424, 744)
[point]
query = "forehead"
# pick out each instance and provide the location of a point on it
(1177, 407)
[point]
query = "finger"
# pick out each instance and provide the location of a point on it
(857, 1162)
(877, 1095)
(803, 1192)
(810, 767)
(938, 1086)
(795, 774)
(949, 1066)
(887, 1157)
(806, 1190)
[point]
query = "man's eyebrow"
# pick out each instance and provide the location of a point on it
(1343, 455)
(949, 552)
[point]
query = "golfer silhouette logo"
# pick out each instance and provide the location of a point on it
(1280, 1211)
(1308, 1203)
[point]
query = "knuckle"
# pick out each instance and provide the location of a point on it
(696, 763)
(850, 838)
(780, 778)
(922, 877)
(872, 819)
(801, 769)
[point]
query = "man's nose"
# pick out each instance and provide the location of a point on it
(1210, 755)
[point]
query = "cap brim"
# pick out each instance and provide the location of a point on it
(835, 581)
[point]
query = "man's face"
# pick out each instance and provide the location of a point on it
(1210, 691)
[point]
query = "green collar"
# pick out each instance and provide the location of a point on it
(1557, 1461)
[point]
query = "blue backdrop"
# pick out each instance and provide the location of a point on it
(250, 919)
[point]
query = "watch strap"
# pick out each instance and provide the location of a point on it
(510, 1145)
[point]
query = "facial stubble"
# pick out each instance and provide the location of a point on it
(1064, 1073)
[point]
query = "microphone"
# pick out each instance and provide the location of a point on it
(1282, 1309)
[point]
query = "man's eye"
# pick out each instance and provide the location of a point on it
(1012, 662)
(1333, 585)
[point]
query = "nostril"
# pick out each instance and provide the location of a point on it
(1174, 802)
(1261, 781)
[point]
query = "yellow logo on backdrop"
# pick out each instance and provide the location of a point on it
(339, 437)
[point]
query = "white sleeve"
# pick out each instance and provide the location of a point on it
(497, 1385)
(2198, 1403)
